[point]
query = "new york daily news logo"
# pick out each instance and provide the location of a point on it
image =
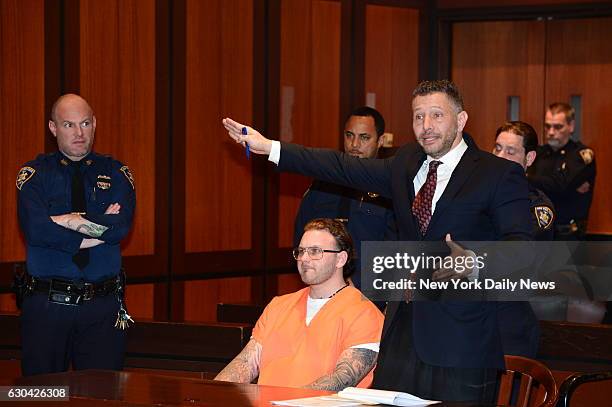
(404, 261)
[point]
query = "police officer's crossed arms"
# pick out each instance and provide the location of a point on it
(74, 206)
(565, 171)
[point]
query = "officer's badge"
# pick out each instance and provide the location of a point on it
(373, 195)
(587, 155)
(24, 176)
(104, 182)
(544, 215)
(126, 171)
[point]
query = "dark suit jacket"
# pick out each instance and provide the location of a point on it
(485, 200)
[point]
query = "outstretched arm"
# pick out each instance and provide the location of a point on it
(353, 365)
(245, 367)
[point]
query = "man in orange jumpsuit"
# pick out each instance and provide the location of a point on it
(325, 336)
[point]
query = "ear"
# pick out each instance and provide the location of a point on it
(462, 118)
(381, 140)
(530, 158)
(341, 259)
(52, 128)
(571, 125)
(93, 123)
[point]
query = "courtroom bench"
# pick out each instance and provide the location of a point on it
(200, 348)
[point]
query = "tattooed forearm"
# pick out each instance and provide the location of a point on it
(91, 229)
(245, 367)
(353, 365)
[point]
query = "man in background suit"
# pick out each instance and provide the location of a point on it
(443, 188)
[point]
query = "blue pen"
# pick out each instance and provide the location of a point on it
(248, 150)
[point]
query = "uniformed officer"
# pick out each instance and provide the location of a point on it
(368, 216)
(518, 325)
(565, 171)
(74, 207)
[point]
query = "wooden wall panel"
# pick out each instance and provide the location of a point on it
(7, 303)
(494, 60)
(202, 296)
(391, 66)
(289, 283)
(22, 111)
(117, 77)
(140, 299)
(579, 62)
(219, 83)
(447, 4)
(309, 91)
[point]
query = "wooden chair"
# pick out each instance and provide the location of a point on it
(570, 384)
(537, 386)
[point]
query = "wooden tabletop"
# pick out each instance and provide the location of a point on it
(96, 387)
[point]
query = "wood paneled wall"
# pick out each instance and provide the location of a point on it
(495, 60)
(22, 93)
(391, 68)
(309, 91)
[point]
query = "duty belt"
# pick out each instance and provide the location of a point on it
(72, 292)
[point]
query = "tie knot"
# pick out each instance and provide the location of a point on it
(433, 165)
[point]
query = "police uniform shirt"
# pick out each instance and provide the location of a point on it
(559, 173)
(542, 214)
(44, 190)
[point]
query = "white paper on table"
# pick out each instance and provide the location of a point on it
(394, 398)
(320, 401)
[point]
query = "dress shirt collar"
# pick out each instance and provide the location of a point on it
(450, 159)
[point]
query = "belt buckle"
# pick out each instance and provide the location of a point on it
(88, 291)
(63, 297)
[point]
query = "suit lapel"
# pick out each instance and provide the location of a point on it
(413, 165)
(461, 174)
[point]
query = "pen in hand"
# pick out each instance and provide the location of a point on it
(248, 150)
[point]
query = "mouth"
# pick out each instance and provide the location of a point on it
(355, 153)
(428, 140)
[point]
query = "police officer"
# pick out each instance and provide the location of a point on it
(74, 208)
(368, 216)
(517, 141)
(565, 171)
(518, 325)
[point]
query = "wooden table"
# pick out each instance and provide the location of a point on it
(100, 387)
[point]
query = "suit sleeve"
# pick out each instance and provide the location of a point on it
(123, 193)
(38, 228)
(510, 206)
(373, 175)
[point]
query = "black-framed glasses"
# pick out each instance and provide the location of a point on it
(314, 252)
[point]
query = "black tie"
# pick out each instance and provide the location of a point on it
(81, 258)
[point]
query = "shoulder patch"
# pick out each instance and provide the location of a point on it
(587, 155)
(126, 171)
(544, 215)
(23, 176)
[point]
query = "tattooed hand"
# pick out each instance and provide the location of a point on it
(353, 365)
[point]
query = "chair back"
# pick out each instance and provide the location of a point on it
(570, 384)
(530, 382)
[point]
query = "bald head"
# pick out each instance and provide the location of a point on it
(70, 101)
(73, 124)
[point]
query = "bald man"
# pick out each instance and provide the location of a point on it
(74, 208)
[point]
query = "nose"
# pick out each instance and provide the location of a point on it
(354, 142)
(427, 122)
(551, 131)
(79, 130)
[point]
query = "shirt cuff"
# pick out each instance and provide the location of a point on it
(275, 152)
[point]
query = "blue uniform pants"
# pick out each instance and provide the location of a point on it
(54, 336)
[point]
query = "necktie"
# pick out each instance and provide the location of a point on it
(81, 258)
(421, 206)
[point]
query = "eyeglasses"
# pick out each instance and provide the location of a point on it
(314, 252)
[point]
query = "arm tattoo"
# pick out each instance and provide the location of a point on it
(245, 367)
(353, 365)
(91, 229)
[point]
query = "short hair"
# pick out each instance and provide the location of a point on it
(561, 107)
(528, 133)
(367, 111)
(440, 86)
(343, 239)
